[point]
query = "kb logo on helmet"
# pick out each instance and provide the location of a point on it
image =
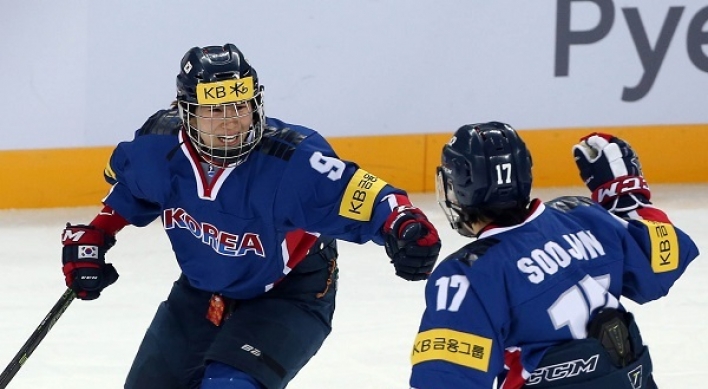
(227, 91)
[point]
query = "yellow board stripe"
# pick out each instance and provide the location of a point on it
(669, 154)
(460, 348)
(358, 200)
(664, 246)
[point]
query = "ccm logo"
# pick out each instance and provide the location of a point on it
(620, 187)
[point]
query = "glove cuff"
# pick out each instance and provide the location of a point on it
(398, 216)
(619, 187)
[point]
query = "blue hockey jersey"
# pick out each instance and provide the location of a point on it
(525, 288)
(234, 232)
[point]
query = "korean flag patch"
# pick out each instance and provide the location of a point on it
(88, 252)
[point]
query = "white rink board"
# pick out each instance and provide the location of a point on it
(87, 73)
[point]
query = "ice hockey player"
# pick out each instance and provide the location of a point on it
(246, 201)
(534, 301)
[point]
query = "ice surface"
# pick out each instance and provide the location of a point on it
(377, 316)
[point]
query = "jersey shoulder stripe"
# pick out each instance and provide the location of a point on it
(567, 203)
(473, 251)
(162, 122)
(280, 142)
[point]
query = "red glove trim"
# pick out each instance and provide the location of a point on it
(69, 268)
(81, 235)
(653, 214)
(621, 186)
(607, 137)
(431, 237)
(397, 213)
(109, 221)
(416, 216)
(402, 200)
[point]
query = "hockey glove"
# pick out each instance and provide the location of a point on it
(412, 243)
(611, 170)
(85, 269)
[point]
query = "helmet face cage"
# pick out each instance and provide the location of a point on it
(214, 145)
(216, 90)
(448, 202)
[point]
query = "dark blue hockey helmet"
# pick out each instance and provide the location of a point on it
(484, 165)
(220, 79)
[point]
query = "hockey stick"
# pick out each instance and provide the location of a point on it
(37, 336)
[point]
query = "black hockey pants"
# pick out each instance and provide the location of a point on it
(270, 337)
(592, 363)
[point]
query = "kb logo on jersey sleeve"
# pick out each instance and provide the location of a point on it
(664, 246)
(359, 198)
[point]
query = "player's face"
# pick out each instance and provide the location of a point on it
(224, 125)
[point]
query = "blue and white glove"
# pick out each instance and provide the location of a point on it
(611, 170)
